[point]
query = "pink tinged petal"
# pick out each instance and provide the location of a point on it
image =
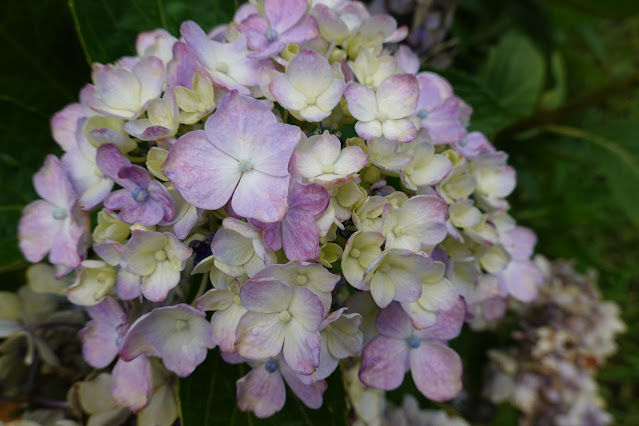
(394, 322)
(420, 317)
(443, 125)
(310, 394)
(306, 308)
(91, 188)
(408, 285)
(300, 236)
(407, 59)
(285, 94)
(261, 392)
(330, 24)
(52, 184)
(305, 29)
(215, 299)
(69, 246)
(132, 386)
(361, 101)
(271, 234)
(351, 160)
(159, 195)
(436, 371)
(331, 96)
(310, 198)
(273, 152)
(384, 363)
(156, 286)
(231, 247)
(253, 27)
(522, 243)
(310, 73)
(38, 229)
(448, 324)
(150, 73)
(110, 161)
(260, 335)
(100, 336)
(401, 130)
(127, 285)
(284, 14)
(237, 126)
(368, 130)
(302, 347)
(205, 176)
(266, 296)
(179, 334)
(117, 93)
(261, 196)
(134, 176)
(225, 324)
(433, 90)
(180, 70)
(64, 124)
(397, 96)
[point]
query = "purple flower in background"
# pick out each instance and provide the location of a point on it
(241, 156)
(435, 367)
(298, 232)
(142, 199)
(54, 225)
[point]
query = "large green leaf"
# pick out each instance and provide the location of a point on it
(515, 73)
(207, 398)
(616, 155)
(488, 115)
(108, 28)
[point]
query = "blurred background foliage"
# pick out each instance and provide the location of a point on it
(554, 83)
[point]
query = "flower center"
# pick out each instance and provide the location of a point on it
(271, 35)
(181, 324)
(328, 168)
(59, 213)
(422, 114)
(285, 316)
(398, 230)
(245, 165)
(355, 253)
(160, 255)
(270, 366)
(414, 342)
(302, 279)
(139, 194)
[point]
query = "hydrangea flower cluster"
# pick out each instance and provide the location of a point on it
(226, 154)
(563, 339)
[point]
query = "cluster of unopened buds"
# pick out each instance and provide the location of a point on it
(226, 154)
(561, 342)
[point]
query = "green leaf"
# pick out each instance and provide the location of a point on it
(616, 150)
(556, 95)
(488, 115)
(207, 398)
(514, 73)
(108, 28)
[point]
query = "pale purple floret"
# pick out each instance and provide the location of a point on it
(227, 64)
(385, 112)
(262, 390)
(438, 110)
(64, 124)
(241, 156)
(473, 145)
(286, 22)
(280, 319)
(298, 232)
(178, 334)
(54, 225)
(435, 367)
(142, 199)
(180, 71)
(101, 335)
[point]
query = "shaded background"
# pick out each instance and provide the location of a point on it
(554, 83)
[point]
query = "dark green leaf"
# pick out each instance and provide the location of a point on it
(514, 73)
(108, 28)
(207, 398)
(488, 115)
